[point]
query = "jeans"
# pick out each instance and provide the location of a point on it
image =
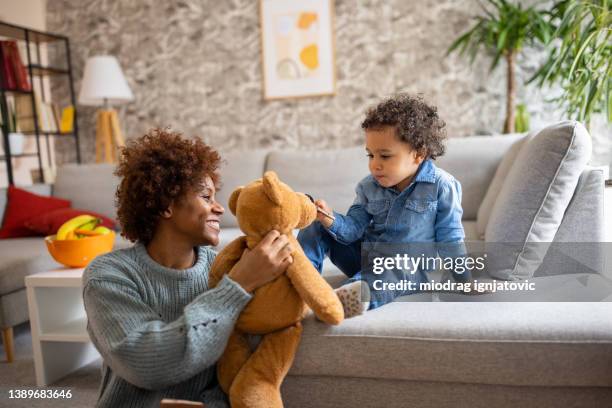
(318, 243)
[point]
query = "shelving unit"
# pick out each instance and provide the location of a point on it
(38, 71)
(58, 322)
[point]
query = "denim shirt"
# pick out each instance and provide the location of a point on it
(428, 210)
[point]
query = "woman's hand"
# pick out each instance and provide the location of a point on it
(323, 219)
(264, 263)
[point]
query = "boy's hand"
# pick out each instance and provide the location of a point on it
(323, 219)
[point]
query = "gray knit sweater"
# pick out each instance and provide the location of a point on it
(159, 330)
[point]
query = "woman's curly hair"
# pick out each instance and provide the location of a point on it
(416, 123)
(156, 169)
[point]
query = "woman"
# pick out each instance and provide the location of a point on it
(151, 315)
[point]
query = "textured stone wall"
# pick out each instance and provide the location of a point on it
(195, 66)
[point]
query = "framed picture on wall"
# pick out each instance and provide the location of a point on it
(297, 48)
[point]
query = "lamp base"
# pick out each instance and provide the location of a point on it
(108, 136)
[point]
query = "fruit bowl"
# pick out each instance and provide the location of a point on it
(77, 253)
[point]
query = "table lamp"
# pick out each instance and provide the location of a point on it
(104, 85)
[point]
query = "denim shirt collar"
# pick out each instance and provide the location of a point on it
(426, 172)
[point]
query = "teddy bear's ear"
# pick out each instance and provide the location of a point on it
(272, 187)
(233, 200)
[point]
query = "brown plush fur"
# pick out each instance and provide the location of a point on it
(253, 378)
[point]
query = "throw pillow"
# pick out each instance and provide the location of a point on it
(49, 222)
(532, 202)
(484, 211)
(22, 205)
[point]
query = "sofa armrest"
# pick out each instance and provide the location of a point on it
(578, 246)
(584, 217)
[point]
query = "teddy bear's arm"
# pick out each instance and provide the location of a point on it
(225, 260)
(313, 289)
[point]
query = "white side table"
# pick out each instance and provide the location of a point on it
(58, 322)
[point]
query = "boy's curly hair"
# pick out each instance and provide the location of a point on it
(416, 123)
(156, 169)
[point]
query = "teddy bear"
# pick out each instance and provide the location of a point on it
(252, 378)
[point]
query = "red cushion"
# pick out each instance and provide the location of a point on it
(22, 205)
(48, 223)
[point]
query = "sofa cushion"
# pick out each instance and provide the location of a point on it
(238, 169)
(331, 175)
(570, 287)
(469, 228)
(531, 203)
(486, 206)
(88, 186)
(473, 160)
(528, 344)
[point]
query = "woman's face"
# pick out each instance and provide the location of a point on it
(197, 214)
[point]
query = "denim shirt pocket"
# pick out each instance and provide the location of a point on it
(378, 209)
(419, 213)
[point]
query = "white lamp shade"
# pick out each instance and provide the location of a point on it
(104, 80)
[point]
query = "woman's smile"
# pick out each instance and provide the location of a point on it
(213, 223)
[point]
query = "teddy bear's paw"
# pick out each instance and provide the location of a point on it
(355, 298)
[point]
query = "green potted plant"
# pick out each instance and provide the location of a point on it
(521, 122)
(503, 30)
(580, 57)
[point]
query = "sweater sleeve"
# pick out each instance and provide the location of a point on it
(149, 352)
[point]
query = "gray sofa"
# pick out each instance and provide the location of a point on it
(430, 350)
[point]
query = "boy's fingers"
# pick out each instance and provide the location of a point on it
(323, 205)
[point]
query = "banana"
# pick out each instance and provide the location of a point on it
(102, 230)
(85, 221)
(90, 225)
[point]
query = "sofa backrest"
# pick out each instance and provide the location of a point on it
(331, 175)
(473, 161)
(237, 169)
(328, 174)
(88, 186)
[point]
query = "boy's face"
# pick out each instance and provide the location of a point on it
(393, 163)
